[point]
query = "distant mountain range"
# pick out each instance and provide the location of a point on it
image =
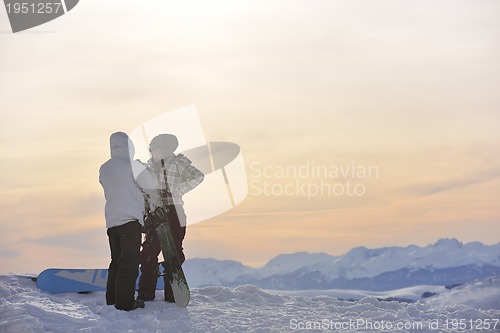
(446, 262)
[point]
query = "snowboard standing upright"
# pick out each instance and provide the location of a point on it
(173, 273)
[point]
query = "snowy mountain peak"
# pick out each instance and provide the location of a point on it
(358, 252)
(448, 243)
(286, 263)
(210, 271)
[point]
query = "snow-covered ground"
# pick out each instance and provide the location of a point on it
(410, 294)
(25, 309)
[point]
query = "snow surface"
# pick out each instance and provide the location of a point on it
(482, 294)
(410, 294)
(23, 308)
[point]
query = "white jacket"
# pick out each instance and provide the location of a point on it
(123, 181)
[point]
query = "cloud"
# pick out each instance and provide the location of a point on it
(431, 188)
(9, 253)
(80, 239)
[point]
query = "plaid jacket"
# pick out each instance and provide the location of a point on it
(181, 177)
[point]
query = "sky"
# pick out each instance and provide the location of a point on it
(370, 123)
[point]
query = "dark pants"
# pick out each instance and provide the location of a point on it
(151, 249)
(125, 245)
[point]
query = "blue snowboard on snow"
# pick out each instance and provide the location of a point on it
(55, 280)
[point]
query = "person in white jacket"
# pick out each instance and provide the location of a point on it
(124, 182)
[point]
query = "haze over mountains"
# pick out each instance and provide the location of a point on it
(446, 262)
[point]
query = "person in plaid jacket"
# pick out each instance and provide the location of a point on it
(177, 176)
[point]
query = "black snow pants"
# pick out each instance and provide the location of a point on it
(176, 218)
(125, 245)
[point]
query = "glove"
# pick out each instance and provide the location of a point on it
(153, 219)
(159, 213)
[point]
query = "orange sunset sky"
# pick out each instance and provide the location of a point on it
(307, 89)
